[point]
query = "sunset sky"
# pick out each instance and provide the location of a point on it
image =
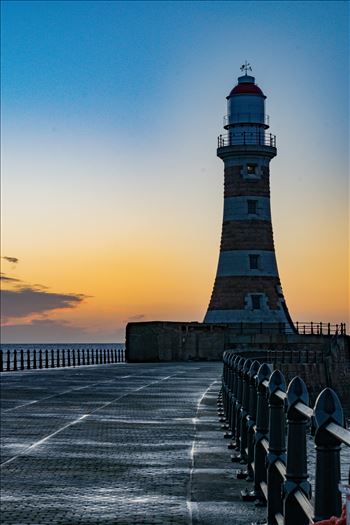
(112, 193)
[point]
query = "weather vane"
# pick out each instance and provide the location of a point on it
(246, 67)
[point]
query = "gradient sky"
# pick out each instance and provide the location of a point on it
(112, 193)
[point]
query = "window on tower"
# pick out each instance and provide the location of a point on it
(254, 261)
(251, 169)
(252, 206)
(256, 302)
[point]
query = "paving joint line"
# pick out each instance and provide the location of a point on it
(84, 416)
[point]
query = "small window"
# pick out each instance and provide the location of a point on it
(256, 302)
(252, 206)
(251, 169)
(254, 262)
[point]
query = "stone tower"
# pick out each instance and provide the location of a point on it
(247, 287)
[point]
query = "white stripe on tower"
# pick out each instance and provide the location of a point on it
(240, 262)
(248, 207)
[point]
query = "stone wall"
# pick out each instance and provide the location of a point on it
(320, 360)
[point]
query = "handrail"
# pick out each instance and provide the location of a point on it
(240, 138)
(341, 433)
(320, 328)
(282, 395)
(256, 402)
(304, 409)
(281, 468)
(305, 505)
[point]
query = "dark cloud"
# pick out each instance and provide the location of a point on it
(27, 300)
(6, 278)
(137, 317)
(12, 260)
(56, 331)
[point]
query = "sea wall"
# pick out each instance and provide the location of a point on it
(320, 360)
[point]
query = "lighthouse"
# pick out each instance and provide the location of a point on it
(247, 288)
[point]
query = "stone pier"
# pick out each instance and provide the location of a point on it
(121, 444)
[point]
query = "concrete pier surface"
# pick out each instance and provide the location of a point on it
(121, 444)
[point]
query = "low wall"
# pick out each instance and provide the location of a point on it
(320, 360)
(176, 341)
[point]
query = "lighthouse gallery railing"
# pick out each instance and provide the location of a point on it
(238, 138)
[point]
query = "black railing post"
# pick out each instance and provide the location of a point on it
(277, 446)
(63, 357)
(327, 496)
(245, 410)
(1, 361)
(34, 358)
(28, 359)
(88, 355)
(252, 373)
(223, 386)
(68, 357)
(227, 391)
(78, 351)
(92, 356)
(73, 356)
(40, 358)
(230, 388)
(52, 358)
(58, 363)
(262, 428)
(22, 359)
(46, 358)
(232, 407)
(104, 356)
(296, 472)
(8, 361)
(15, 360)
(83, 351)
(238, 406)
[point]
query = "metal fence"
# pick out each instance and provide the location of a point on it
(256, 407)
(32, 359)
(320, 328)
(239, 138)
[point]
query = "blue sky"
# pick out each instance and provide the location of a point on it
(110, 113)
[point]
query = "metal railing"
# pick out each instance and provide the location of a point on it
(255, 404)
(255, 118)
(244, 138)
(11, 361)
(320, 328)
